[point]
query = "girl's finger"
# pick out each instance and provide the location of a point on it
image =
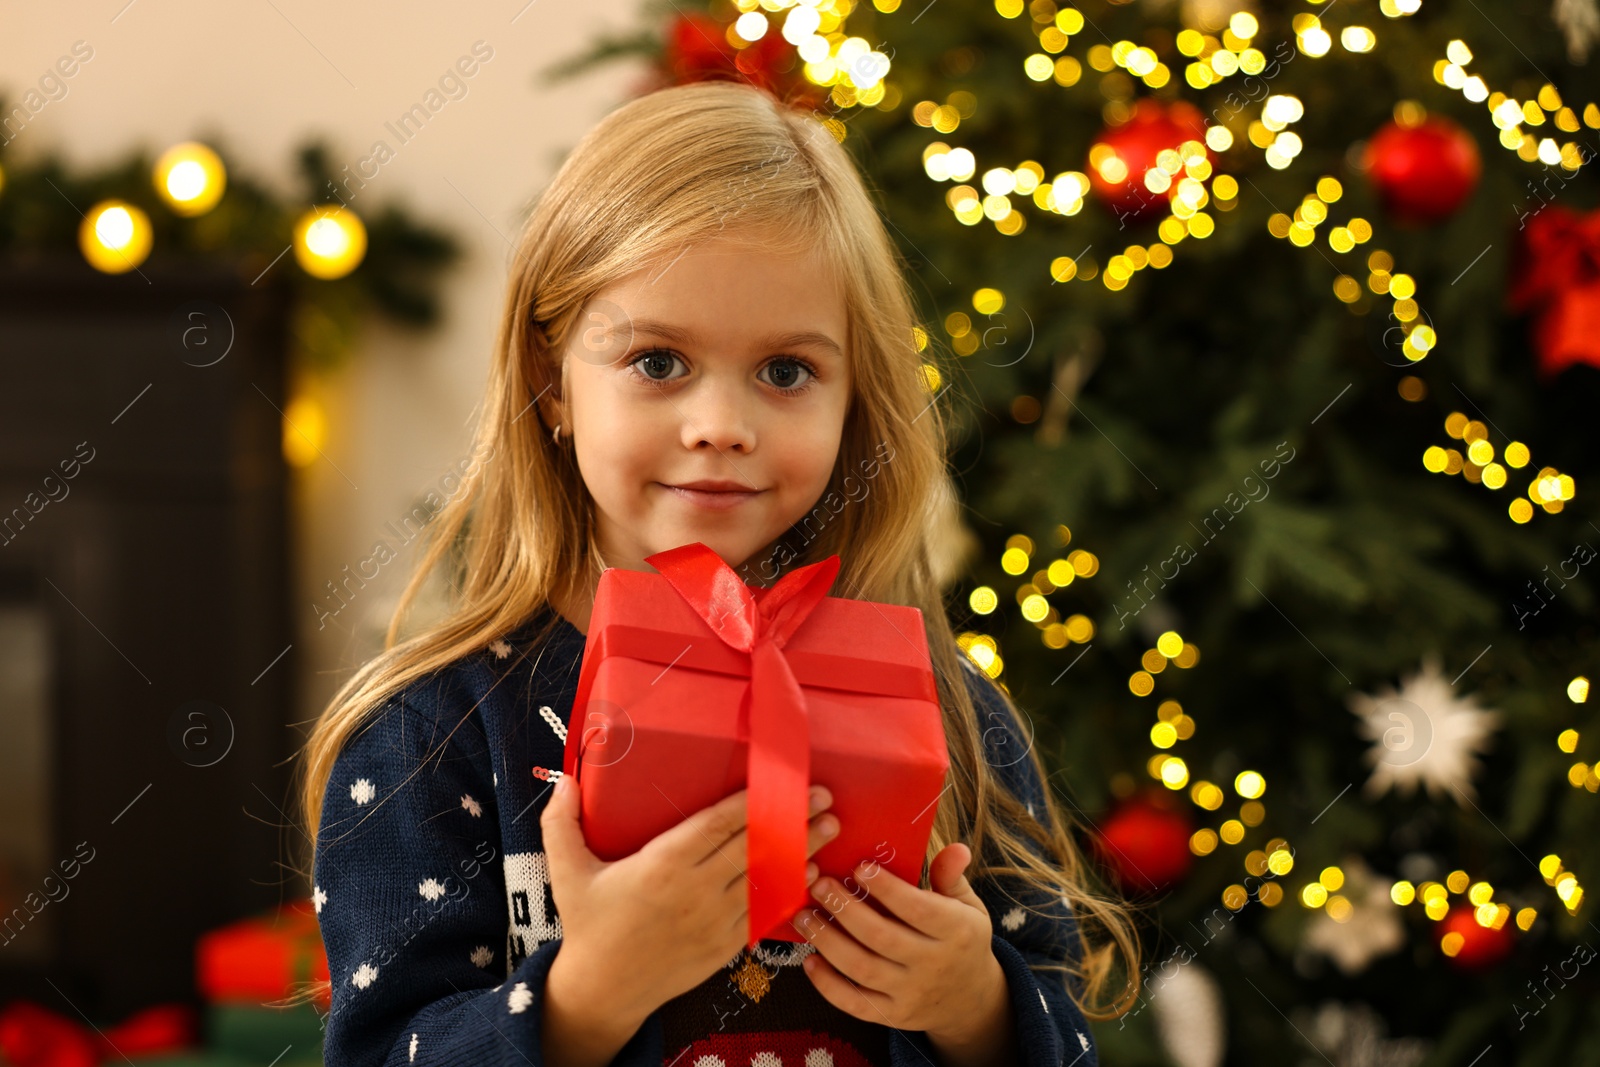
(921, 910)
(881, 934)
(564, 843)
(947, 873)
(821, 830)
(848, 955)
(852, 998)
(704, 834)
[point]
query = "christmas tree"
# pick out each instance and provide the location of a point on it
(1272, 333)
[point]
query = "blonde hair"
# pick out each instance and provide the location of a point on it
(662, 172)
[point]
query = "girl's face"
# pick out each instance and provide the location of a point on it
(724, 367)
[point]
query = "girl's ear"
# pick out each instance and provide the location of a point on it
(552, 406)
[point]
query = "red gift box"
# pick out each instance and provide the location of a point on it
(262, 958)
(694, 685)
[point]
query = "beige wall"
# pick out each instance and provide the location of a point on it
(258, 77)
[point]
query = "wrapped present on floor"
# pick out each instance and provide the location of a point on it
(34, 1036)
(263, 959)
(695, 685)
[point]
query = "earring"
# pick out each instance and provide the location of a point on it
(556, 434)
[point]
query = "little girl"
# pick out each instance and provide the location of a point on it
(708, 336)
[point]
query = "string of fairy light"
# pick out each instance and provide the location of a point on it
(857, 75)
(116, 236)
(1173, 724)
(1510, 115)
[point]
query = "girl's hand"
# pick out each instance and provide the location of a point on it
(929, 965)
(643, 929)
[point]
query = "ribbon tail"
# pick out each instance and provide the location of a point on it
(778, 779)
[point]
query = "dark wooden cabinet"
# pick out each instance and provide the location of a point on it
(145, 645)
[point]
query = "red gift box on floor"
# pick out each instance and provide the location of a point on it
(694, 685)
(263, 958)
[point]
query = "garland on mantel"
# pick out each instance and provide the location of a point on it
(47, 210)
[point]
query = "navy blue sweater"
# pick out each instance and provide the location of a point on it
(435, 906)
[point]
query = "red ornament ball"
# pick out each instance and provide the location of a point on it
(698, 48)
(1423, 171)
(1145, 841)
(1121, 155)
(1469, 946)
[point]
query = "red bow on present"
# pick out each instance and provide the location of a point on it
(778, 774)
(32, 1036)
(1559, 280)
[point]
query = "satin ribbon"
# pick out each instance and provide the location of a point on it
(1559, 279)
(778, 771)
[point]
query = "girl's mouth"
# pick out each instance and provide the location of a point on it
(712, 499)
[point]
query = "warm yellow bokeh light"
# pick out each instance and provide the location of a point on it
(329, 244)
(115, 236)
(305, 431)
(190, 178)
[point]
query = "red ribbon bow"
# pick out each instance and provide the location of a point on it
(1559, 279)
(778, 773)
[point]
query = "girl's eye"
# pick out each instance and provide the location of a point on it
(652, 361)
(792, 375)
(787, 381)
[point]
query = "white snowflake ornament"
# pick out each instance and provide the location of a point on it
(1426, 733)
(1371, 929)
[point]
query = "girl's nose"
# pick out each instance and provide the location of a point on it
(718, 415)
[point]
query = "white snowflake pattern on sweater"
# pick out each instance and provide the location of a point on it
(362, 791)
(413, 1048)
(472, 807)
(500, 649)
(364, 976)
(519, 999)
(482, 956)
(431, 889)
(318, 899)
(1013, 919)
